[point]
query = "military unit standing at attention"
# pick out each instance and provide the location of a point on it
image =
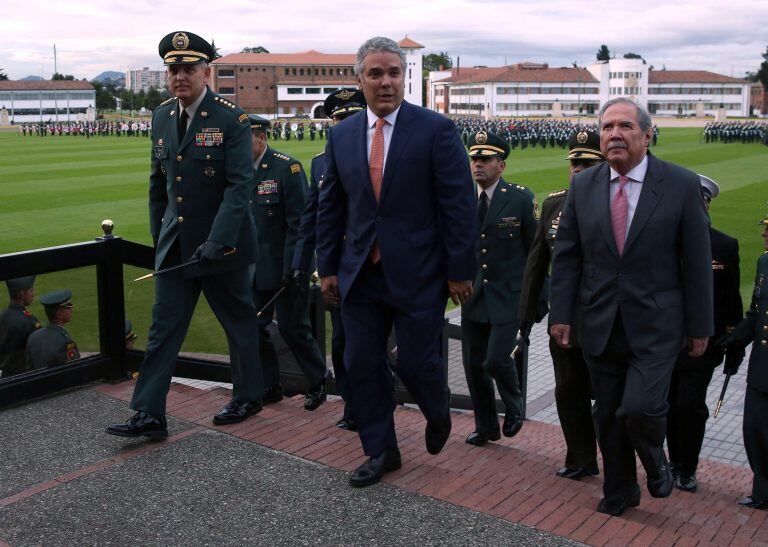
(644, 292)
(741, 132)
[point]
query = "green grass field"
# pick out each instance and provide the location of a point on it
(57, 190)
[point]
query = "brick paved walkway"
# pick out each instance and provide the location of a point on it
(512, 479)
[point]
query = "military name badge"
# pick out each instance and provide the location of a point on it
(759, 285)
(209, 138)
(71, 350)
(158, 149)
(509, 222)
(717, 265)
(267, 187)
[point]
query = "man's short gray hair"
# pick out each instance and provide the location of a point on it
(378, 44)
(643, 117)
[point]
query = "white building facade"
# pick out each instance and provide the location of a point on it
(141, 79)
(35, 101)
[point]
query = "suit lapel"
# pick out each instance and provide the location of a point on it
(361, 137)
(400, 136)
(497, 203)
(602, 205)
(197, 121)
(650, 194)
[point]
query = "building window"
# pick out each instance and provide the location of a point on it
(346, 71)
(226, 73)
(330, 89)
(241, 69)
(286, 72)
(323, 72)
(293, 71)
(301, 72)
(226, 90)
(409, 87)
(312, 90)
(257, 87)
(249, 70)
(317, 71)
(241, 87)
(295, 90)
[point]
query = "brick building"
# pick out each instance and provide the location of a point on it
(296, 84)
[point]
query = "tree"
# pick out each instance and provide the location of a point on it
(216, 54)
(57, 76)
(603, 54)
(104, 99)
(632, 56)
(433, 61)
(153, 99)
(762, 73)
(3, 75)
(257, 49)
(750, 76)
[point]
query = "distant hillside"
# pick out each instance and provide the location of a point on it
(110, 76)
(32, 78)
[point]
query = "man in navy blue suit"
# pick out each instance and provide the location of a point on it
(395, 237)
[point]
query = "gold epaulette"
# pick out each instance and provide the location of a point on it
(281, 156)
(558, 193)
(224, 102)
(165, 102)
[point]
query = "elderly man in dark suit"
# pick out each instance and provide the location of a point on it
(395, 236)
(633, 260)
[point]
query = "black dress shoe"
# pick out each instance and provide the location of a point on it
(617, 507)
(315, 397)
(141, 424)
(274, 394)
(481, 439)
(374, 468)
(661, 486)
(512, 425)
(237, 412)
(436, 435)
(753, 503)
(576, 473)
(686, 483)
(345, 423)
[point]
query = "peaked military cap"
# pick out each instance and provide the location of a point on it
(129, 334)
(57, 299)
(584, 145)
(257, 122)
(184, 48)
(20, 284)
(344, 102)
(709, 188)
(764, 222)
(487, 145)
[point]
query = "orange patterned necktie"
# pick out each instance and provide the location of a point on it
(376, 170)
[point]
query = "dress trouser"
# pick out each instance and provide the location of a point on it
(292, 310)
(573, 397)
(631, 396)
(755, 431)
(229, 295)
(688, 411)
(368, 315)
(486, 351)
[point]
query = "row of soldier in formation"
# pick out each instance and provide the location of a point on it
(742, 132)
(524, 133)
(287, 129)
(25, 344)
(129, 128)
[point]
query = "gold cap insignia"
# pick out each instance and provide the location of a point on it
(582, 137)
(344, 94)
(180, 40)
(536, 210)
(481, 137)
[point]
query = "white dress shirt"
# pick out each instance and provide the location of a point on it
(489, 191)
(633, 187)
(191, 109)
(387, 129)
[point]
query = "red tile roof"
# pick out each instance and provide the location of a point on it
(690, 77)
(43, 85)
(310, 57)
(408, 43)
(517, 74)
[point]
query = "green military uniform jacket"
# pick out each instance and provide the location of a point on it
(278, 200)
(16, 325)
(501, 251)
(540, 259)
(754, 328)
(50, 346)
(199, 189)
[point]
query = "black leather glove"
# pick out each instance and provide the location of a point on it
(287, 280)
(542, 310)
(209, 250)
(734, 355)
(298, 276)
(525, 331)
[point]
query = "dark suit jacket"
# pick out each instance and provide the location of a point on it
(303, 256)
(425, 221)
(200, 189)
(662, 283)
(502, 248)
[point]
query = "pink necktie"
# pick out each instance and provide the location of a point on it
(376, 170)
(619, 214)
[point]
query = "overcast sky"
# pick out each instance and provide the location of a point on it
(91, 36)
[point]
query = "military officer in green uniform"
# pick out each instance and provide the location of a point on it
(754, 328)
(52, 344)
(278, 200)
(572, 385)
(506, 221)
(200, 184)
(16, 324)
